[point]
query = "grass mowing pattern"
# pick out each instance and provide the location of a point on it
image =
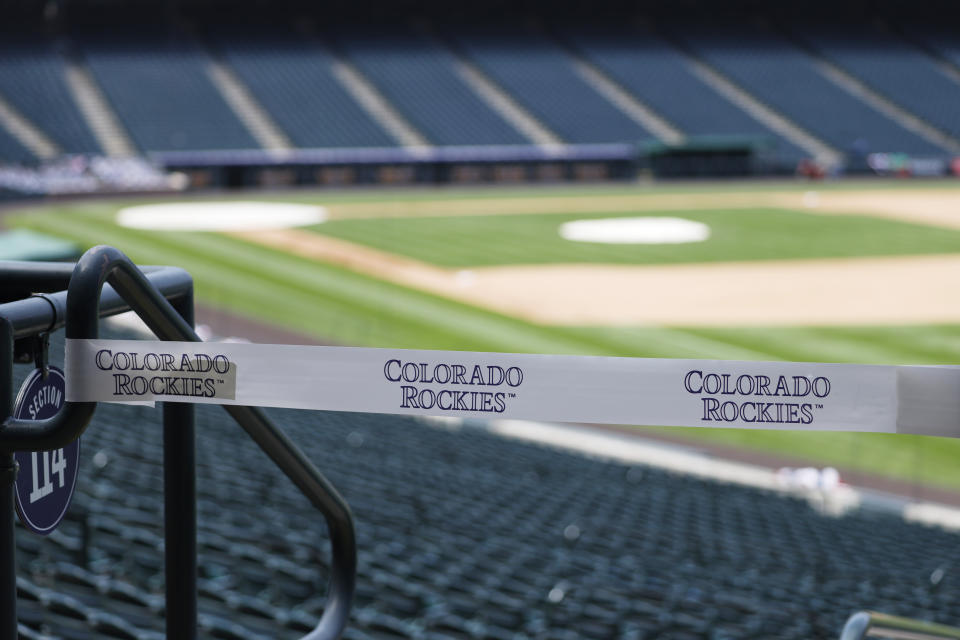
(929, 461)
(353, 309)
(736, 235)
(307, 296)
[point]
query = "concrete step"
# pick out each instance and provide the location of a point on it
(246, 107)
(97, 112)
(907, 120)
(498, 100)
(28, 134)
(376, 105)
(818, 149)
(627, 102)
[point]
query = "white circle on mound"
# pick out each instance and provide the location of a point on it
(220, 216)
(635, 231)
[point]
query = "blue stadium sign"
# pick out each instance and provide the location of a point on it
(46, 479)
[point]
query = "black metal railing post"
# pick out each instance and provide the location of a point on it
(8, 560)
(105, 282)
(180, 507)
(8, 474)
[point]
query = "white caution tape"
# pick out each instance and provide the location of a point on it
(692, 393)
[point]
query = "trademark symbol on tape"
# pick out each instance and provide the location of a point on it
(818, 406)
(511, 395)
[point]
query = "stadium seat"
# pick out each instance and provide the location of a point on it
(539, 74)
(292, 77)
(891, 66)
(654, 71)
(158, 85)
(786, 78)
(33, 81)
(462, 534)
(418, 75)
(12, 151)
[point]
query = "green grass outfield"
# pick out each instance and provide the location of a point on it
(336, 304)
(753, 234)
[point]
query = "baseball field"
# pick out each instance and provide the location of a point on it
(834, 272)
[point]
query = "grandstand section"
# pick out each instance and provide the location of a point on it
(541, 77)
(419, 77)
(295, 99)
(12, 150)
(157, 82)
(940, 42)
(33, 81)
(891, 66)
(655, 72)
(292, 78)
(786, 78)
(466, 531)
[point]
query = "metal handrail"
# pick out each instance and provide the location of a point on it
(34, 302)
(31, 315)
(38, 314)
(871, 624)
(102, 265)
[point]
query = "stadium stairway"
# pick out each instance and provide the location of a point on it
(901, 73)
(33, 82)
(253, 116)
(303, 88)
(880, 103)
(785, 78)
(541, 76)
(501, 102)
(628, 103)
(463, 534)
(20, 140)
(158, 85)
(659, 75)
(940, 43)
(97, 112)
(421, 78)
(376, 105)
(154, 90)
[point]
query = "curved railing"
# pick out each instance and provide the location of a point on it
(163, 298)
(870, 624)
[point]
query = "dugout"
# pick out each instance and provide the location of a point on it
(711, 157)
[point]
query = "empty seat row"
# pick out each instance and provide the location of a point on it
(33, 80)
(463, 534)
(159, 86)
(163, 88)
(540, 75)
(785, 77)
(419, 76)
(657, 73)
(893, 67)
(293, 78)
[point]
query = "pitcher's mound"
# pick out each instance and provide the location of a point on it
(220, 216)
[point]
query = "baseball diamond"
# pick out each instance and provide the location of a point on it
(538, 321)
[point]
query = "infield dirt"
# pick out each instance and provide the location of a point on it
(822, 292)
